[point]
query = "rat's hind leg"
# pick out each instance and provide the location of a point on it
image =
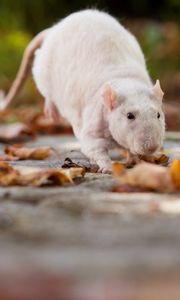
(51, 111)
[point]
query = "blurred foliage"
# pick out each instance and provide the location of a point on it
(11, 50)
(155, 23)
(37, 14)
(161, 44)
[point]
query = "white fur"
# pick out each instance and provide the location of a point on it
(79, 56)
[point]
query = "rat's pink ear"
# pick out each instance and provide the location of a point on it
(109, 97)
(158, 91)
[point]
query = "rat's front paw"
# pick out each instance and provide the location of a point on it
(105, 167)
(104, 170)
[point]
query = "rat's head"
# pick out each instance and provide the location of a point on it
(136, 121)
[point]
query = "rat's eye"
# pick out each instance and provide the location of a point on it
(130, 116)
(158, 115)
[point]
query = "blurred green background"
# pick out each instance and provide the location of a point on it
(155, 23)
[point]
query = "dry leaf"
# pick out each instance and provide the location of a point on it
(16, 132)
(34, 120)
(68, 163)
(117, 168)
(175, 173)
(42, 124)
(149, 177)
(27, 176)
(20, 153)
(159, 159)
(8, 174)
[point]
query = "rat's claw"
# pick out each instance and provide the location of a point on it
(105, 168)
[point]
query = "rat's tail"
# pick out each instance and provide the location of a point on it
(23, 71)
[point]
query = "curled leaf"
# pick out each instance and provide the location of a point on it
(22, 153)
(88, 167)
(159, 159)
(117, 168)
(175, 173)
(148, 177)
(8, 174)
(27, 176)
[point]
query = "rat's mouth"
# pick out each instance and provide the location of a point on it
(146, 148)
(150, 152)
(142, 152)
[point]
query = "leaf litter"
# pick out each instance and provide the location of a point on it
(28, 176)
(25, 124)
(16, 132)
(147, 177)
(88, 167)
(18, 152)
(159, 158)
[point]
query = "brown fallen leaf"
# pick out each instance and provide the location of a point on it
(16, 132)
(27, 176)
(147, 177)
(159, 159)
(20, 153)
(118, 168)
(45, 125)
(8, 174)
(68, 163)
(175, 173)
(33, 117)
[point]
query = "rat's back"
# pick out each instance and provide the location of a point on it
(80, 54)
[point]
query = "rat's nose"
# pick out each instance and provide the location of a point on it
(150, 147)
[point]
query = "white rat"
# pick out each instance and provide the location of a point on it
(91, 70)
